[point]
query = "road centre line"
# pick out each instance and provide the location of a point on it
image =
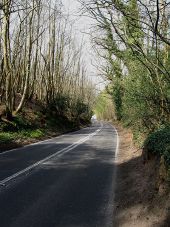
(59, 154)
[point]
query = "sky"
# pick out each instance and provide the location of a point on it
(82, 27)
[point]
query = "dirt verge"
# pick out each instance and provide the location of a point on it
(138, 202)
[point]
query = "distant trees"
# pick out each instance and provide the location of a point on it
(39, 59)
(104, 108)
(133, 38)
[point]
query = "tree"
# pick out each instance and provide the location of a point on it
(7, 67)
(40, 61)
(133, 44)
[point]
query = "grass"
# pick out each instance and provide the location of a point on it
(8, 137)
(21, 131)
(30, 126)
(37, 133)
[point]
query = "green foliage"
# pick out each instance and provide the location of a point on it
(133, 27)
(18, 123)
(104, 107)
(117, 94)
(80, 112)
(61, 115)
(6, 137)
(60, 105)
(138, 137)
(21, 122)
(79, 108)
(31, 133)
(69, 109)
(136, 68)
(158, 143)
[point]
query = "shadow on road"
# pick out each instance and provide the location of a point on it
(71, 190)
(8, 146)
(77, 189)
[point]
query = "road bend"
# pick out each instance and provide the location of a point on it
(67, 181)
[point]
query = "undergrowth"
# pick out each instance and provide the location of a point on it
(7, 137)
(36, 125)
(158, 143)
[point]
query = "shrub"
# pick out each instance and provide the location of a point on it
(158, 143)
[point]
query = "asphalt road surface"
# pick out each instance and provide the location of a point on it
(66, 181)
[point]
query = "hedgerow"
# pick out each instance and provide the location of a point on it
(158, 143)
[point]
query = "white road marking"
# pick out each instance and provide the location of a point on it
(117, 143)
(59, 154)
(115, 166)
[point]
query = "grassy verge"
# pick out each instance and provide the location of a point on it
(23, 130)
(7, 137)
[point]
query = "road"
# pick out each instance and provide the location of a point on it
(67, 181)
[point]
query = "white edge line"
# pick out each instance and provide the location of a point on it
(59, 153)
(117, 143)
(115, 166)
